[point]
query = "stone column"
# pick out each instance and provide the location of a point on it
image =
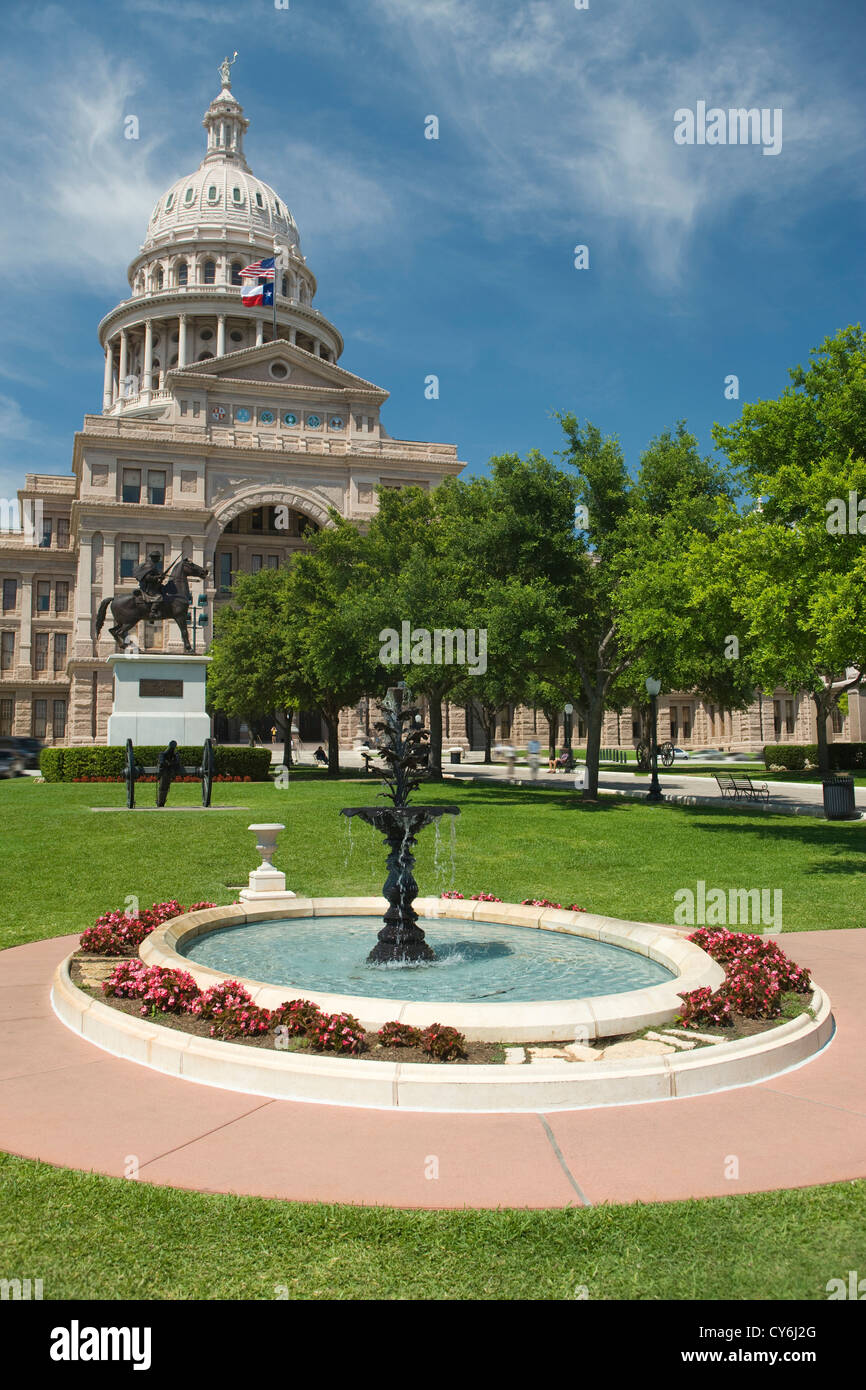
(109, 370)
(293, 335)
(260, 332)
(147, 366)
(221, 335)
(181, 340)
(82, 641)
(123, 369)
(26, 627)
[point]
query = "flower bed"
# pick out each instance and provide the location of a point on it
(526, 902)
(757, 974)
(120, 933)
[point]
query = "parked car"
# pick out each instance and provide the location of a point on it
(11, 763)
(28, 749)
(680, 754)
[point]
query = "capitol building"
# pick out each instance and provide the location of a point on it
(217, 420)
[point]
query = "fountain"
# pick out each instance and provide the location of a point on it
(405, 752)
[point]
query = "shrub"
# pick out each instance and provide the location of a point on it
(452, 894)
(399, 1035)
(119, 933)
(241, 1020)
(757, 972)
(485, 898)
(340, 1033)
(443, 1043)
(788, 755)
(95, 761)
(753, 991)
(127, 980)
(168, 991)
(220, 999)
(299, 1017)
(702, 1006)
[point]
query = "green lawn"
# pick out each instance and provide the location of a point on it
(94, 1237)
(88, 1236)
(619, 857)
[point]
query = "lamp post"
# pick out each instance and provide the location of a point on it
(569, 711)
(652, 688)
(200, 618)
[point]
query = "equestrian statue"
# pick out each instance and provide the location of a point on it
(161, 594)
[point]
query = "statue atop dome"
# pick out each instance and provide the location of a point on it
(226, 70)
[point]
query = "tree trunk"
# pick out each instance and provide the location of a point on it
(333, 722)
(434, 762)
(552, 717)
(594, 726)
(823, 747)
(287, 746)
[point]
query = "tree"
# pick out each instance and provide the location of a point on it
(247, 675)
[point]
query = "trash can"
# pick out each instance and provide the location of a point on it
(455, 754)
(839, 798)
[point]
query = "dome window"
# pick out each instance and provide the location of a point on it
(183, 273)
(213, 195)
(236, 195)
(209, 272)
(206, 335)
(189, 195)
(236, 272)
(236, 336)
(260, 202)
(169, 202)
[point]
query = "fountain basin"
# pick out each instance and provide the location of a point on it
(587, 1017)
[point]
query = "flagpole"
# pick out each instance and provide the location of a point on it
(275, 291)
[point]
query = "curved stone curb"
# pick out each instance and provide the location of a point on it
(413, 1086)
(597, 1016)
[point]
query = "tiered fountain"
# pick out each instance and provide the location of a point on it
(405, 752)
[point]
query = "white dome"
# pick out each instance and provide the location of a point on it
(223, 197)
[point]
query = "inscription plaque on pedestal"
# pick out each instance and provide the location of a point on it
(165, 690)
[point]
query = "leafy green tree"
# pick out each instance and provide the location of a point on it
(247, 675)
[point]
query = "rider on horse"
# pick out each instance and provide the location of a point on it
(150, 576)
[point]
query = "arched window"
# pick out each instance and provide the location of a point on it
(236, 195)
(189, 195)
(203, 356)
(209, 272)
(183, 273)
(260, 202)
(237, 267)
(213, 195)
(158, 277)
(285, 286)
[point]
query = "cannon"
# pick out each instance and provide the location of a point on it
(167, 768)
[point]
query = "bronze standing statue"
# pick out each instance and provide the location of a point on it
(160, 595)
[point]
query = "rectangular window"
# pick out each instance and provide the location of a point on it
(837, 720)
(60, 640)
(153, 636)
(273, 562)
(63, 531)
(7, 717)
(128, 559)
(132, 485)
(43, 596)
(40, 718)
(10, 595)
(40, 651)
(7, 651)
(675, 728)
(225, 572)
(58, 719)
(45, 541)
(156, 487)
(256, 563)
(777, 719)
(61, 596)
(789, 716)
(687, 722)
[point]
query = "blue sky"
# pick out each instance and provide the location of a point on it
(455, 256)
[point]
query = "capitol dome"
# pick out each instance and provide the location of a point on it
(223, 196)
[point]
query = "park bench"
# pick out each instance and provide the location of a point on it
(742, 788)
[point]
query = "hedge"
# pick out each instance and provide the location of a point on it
(67, 764)
(847, 757)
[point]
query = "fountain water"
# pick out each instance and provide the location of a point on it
(405, 752)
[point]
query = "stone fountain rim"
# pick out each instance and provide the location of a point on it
(592, 1017)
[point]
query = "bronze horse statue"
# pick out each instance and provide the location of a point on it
(129, 609)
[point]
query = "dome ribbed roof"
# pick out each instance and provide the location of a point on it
(223, 197)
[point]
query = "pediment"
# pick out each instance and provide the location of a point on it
(264, 364)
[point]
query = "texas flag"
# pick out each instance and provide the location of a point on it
(258, 294)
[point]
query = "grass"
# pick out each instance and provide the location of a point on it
(88, 1236)
(64, 865)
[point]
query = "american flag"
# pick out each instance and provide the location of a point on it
(259, 270)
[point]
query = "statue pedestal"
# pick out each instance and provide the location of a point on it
(158, 698)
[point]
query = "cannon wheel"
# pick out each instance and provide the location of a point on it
(207, 772)
(643, 757)
(130, 775)
(666, 754)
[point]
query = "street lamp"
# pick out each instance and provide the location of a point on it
(200, 618)
(652, 689)
(569, 711)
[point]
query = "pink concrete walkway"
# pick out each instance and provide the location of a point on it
(68, 1103)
